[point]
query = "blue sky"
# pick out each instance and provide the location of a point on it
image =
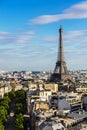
(29, 34)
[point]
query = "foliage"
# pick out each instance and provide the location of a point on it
(19, 108)
(5, 102)
(18, 99)
(20, 96)
(1, 126)
(4, 107)
(12, 96)
(3, 114)
(19, 120)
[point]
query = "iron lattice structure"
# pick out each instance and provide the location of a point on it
(60, 73)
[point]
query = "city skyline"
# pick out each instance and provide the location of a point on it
(29, 33)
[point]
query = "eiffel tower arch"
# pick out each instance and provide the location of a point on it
(61, 73)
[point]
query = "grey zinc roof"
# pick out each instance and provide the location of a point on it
(46, 126)
(78, 116)
(50, 124)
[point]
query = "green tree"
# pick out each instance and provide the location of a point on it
(1, 126)
(19, 108)
(12, 96)
(6, 98)
(20, 96)
(5, 102)
(19, 121)
(3, 114)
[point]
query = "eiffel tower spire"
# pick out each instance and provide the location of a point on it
(61, 51)
(60, 72)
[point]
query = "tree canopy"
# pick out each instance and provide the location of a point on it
(3, 114)
(20, 96)
(1, 126)
(19, 120)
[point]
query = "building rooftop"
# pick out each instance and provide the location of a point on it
(78, 115)
(51, 124)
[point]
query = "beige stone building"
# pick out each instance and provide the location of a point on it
(41, 105)
(51, 86)
(4, 90)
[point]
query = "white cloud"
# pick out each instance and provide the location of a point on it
(79, 36)
(21, 55)
(2, 37)
(74, 12)
(4, 33)
(22, 39)
(76, 36)
(50, 38)
(44, 19)
(29, 32)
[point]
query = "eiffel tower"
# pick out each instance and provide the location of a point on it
(60, 73)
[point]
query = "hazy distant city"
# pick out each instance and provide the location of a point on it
(30, 82)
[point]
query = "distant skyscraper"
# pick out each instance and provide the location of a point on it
(60, 73)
